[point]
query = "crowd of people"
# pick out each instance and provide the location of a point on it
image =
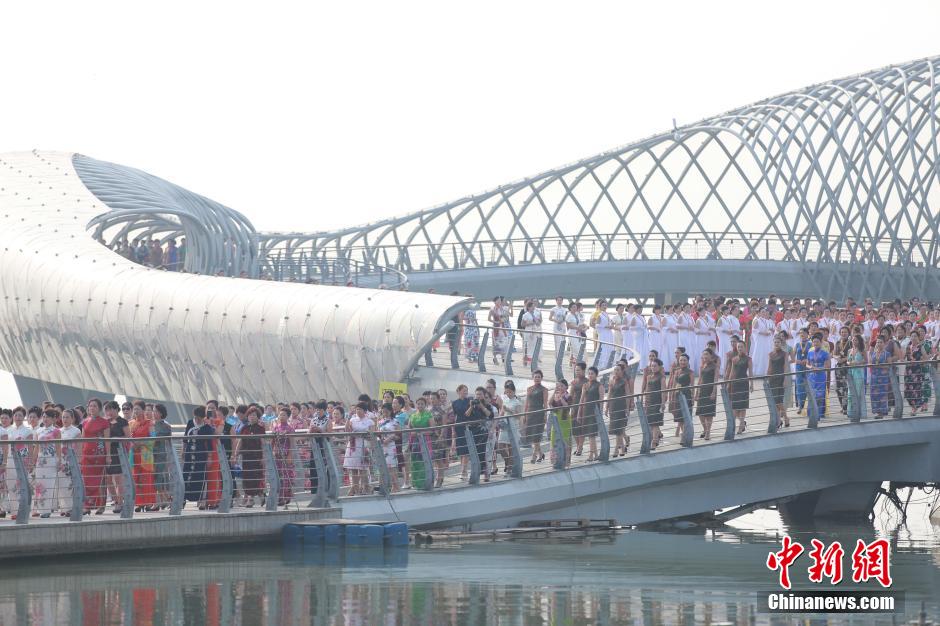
(151, 253)
(686, 351)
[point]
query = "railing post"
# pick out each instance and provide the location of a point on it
(534, 365)
(130, 491)
(608, 365)
(78, 484)
(788, 390)
(377, 457)
(559, 358)
(812, 407)
(515, 451)
(334, 475)
(300, 471)
(225, 471)
(510, 348)
(581, 350)
(481, 357)
(560, 446)
(597, 356)
(270, 476)
(24, 493)
(935, 377)
(175, 473)
(454, 346)
(604, 453)
(688, 432)
(774, 423)
(319, 495)
(474, 456)
(428, 459)
(646, 444)
(729, 413)
(896, 391)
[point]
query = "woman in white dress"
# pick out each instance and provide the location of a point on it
(355, 461)
(686, 326)
(64, 487)
(531, 325)
(573, 325)
(725, 328)
(670, 338)
(762, 341)
(637, 334)
(654, 326)
(616, 322)
(702, 333)
(500, 337)
(634, 334)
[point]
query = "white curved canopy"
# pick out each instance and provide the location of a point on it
(74, 313)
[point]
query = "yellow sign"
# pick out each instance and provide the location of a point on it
(397, 389)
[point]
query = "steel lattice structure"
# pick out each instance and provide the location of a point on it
(840, 178)
(77, 319)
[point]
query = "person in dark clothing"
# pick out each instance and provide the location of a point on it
(196, 455)
(472, 413)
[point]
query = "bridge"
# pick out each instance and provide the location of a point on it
(829, 191)
(832, 190)
(824, 464)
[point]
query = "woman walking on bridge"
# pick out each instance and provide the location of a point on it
(817, 363)
(95, 457)
(777, 363)
(536, 402)
(740, 371)
(248, 444)
(46, 458)
(143, 461)
(591, 395)
(617, 409)
(858, 356)
(653, 399)
(880, 359)
(681, 387)
(705, 400)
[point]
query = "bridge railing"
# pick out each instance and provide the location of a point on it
(69, 480)
(506, 351)
(429, 257)
(303, 267)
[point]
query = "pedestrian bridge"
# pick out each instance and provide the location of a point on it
(829, 191)
(824, 464)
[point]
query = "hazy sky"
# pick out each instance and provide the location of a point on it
(309, 116)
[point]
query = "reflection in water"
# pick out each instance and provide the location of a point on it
(697, 577)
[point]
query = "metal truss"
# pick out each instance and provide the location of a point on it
(144, 207)
(840, 178)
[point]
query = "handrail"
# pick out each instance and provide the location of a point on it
(603, 370)
(428, 429)
(708, 245)
(477, 441)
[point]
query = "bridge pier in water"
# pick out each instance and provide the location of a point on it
(846, 501)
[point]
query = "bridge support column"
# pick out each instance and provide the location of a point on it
(675, 297)
(34, 391)
(850, 500)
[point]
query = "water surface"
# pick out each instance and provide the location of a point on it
(690, 577)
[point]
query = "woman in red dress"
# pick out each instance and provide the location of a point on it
(96, 456)
(213, 471)
(146, 493)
